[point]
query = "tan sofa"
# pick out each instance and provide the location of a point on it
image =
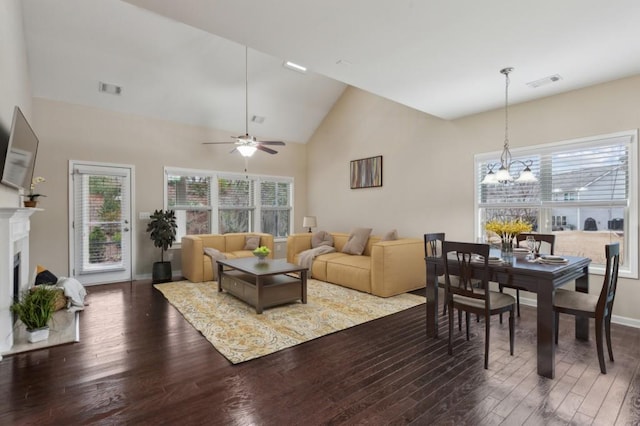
(198, 267)
(385, 268)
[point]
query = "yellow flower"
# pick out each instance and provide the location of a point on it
(508, 229)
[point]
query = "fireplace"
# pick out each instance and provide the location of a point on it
(14, 266)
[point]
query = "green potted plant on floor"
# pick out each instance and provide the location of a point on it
(162, 230)
(35, 310)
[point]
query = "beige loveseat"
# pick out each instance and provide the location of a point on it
(385, 268)
(198, 267)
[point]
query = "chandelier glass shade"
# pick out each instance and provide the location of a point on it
(503, 174)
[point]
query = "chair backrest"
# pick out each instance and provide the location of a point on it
(433, 244)
(608, 292)
(545, 238)
(461, 256)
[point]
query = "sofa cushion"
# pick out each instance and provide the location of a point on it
(351, 271)
(357, 241)
(251, 242)
(321, 238)
(390, 236)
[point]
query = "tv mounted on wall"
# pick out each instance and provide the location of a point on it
(18, 153)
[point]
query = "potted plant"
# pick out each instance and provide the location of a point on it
(31, 199)
(163, 233)
(35, 310)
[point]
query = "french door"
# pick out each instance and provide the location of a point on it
(100, 216)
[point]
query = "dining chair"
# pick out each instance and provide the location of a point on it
(470, 297)
(433, 249)
(593, 306)
(549, 239)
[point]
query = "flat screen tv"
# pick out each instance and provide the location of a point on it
(18, 153)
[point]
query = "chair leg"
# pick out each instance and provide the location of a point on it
(512, 333)
(459, 320)
(557, 324)
(607, 330)
(500, 287)
(599, 330)
(486, 343)
(518, 301)
(444, 307)
(450, 349)
(467, 316)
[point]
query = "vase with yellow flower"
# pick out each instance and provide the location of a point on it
(31, 199)
(507, 230)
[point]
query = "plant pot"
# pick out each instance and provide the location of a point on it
(29, 203)
(161, 272)
(38, 334)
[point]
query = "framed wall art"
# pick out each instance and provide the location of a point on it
(366, 172)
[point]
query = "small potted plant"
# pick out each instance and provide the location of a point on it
(35, 310)
(31, 199)
(162, 230)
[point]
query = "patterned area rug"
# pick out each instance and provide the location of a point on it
(238, 333)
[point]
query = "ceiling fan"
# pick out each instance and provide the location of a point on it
(246, 144)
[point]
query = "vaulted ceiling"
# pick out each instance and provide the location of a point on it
(185, 60)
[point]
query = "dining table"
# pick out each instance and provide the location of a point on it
(529, 275)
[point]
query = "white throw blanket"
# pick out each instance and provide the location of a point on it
(74, 291)
(305, 258)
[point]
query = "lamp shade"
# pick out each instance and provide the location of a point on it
(309, 222)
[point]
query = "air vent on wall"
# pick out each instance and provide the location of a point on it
(112, 89)
(544, 81)
(258, 119)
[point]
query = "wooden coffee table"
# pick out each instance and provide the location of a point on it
(262, 283)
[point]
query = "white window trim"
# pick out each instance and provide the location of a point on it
(629, 271)
(215, 175)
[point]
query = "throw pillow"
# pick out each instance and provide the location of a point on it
(251, 242)
(321, 238)
(391, 235)
(357, 241)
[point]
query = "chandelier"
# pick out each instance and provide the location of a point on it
(503, 175)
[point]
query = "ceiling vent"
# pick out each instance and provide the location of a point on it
(544, 81)
(111, 89)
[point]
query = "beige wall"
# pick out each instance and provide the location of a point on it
(428, 162)
(14, 78)
(74, 132)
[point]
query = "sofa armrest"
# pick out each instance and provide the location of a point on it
(397, 266)
(192, 258)
(297, 243)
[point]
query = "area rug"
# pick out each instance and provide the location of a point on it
(238, 333)
(63, 328)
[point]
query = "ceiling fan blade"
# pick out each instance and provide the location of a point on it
(271, 143)
(233, 150)
(217, 143)
(265, 149)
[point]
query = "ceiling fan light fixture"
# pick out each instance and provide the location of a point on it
(247, 150)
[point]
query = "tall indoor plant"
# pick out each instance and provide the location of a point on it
(162, 228)
(35, 309)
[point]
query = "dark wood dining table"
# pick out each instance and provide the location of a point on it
(538, 278)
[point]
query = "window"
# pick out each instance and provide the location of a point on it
(586, 195)
(212, 202)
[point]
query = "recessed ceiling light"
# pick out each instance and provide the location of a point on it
(544, 81)
(112, 89)
(257, 119)
(295, 67)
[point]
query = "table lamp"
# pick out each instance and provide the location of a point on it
(309, 222)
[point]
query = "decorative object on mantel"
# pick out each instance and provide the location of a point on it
(309, 222)
(366, 172)
(33, 196)
(35, 309)
(507, 230)
(503, 175)
(163, 233)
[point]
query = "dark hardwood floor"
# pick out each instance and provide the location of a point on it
(139, 362)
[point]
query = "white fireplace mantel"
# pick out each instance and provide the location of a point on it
(14, 238)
